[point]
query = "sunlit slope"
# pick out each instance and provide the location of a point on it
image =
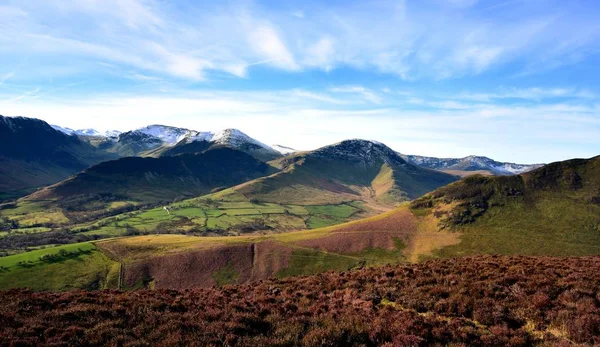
(179, 261)
(554, 210)
(349, 170)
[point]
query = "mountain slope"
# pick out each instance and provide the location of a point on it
(469, 164)
(33, 154)
(349, 170)
(553, 210)
(161, 179)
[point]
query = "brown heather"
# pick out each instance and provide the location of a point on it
(475, 301)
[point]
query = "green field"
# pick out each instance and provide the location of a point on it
(84, 266)
(228, 215)
(225, 213)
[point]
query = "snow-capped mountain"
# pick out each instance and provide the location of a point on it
(470, 163)
(87, 132)
(232, 138)
(167, 134)
(283, 149)
(159, 140)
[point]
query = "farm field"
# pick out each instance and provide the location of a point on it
(223, 214)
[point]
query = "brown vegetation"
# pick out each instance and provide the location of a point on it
(484, 300)
(197, 268)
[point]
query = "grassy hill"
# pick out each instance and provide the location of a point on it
(329, 186)
(134, 181)
(475, 301)
(349, 170)
(554, 210)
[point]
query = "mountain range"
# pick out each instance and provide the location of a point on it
(345, 205)
(469, 164)
(157, 140)
(36, 167)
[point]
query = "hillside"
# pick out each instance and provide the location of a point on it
(477, 301)
(146, 180)
(470, 165)
(552, 210)
(33, 154)
(346, 171)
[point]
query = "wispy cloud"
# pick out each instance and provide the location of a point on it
(436, 77)
(361, 91)
(411, 41)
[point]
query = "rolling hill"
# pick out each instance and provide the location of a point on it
(332, 185)
(551, 211)
(33, 154)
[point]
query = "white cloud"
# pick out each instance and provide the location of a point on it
(365, 93)
(268, 45)
(407, 39)
(321, 54)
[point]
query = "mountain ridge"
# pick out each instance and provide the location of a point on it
(470, 163)
(34, 154)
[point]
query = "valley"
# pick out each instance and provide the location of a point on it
(258, 173)
(227, 238)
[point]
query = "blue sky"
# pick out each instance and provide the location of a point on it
(516, 80)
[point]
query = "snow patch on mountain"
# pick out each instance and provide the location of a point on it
(470, 163)
(167, 134)
(67, 131)
(87, 132)
(283, 149)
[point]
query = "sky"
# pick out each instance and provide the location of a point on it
(514, 80)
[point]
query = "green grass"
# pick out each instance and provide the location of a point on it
(24, 207)
(550, 226)
(225, 275)
(380, 256)
(88, 270)
(33, 256)
(309, 262)
(336, 211)
(326, 215)
(190, 212)
(209, 214)
(296, 210)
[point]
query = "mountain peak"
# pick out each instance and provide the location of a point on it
(360, 150)
(167, 134)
